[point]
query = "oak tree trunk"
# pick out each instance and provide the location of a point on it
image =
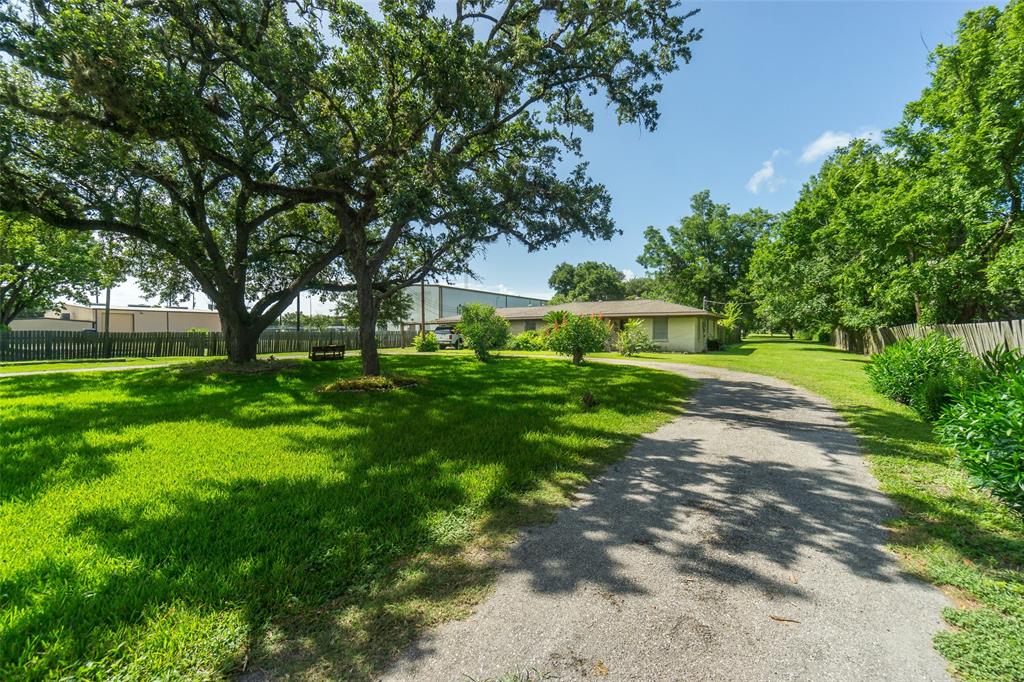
(367, 323)
(240, 338)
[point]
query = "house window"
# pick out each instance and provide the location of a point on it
(530, 325)
(660, 329)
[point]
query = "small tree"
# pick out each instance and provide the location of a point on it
(732, 319)
(634, 339)
(482, 329)
(576, 335)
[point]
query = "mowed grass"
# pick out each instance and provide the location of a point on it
(950, 533)
(103, 363)
(169, 522)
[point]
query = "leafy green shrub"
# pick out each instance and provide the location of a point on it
(425, 343)
(633, 339)
(931, 396)
(819, 334)
(576, 335)
(482, 329)
(1002, 362)
(902, 370)
(528, 340)
(985, 425)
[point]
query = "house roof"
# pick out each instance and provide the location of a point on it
(614, 309)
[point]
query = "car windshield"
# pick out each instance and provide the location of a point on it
(443, 330)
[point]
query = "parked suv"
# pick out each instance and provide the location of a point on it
(447, 337)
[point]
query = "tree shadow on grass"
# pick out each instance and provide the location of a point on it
(341, 563)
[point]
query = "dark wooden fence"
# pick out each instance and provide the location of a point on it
(71, 345)
(978, 337)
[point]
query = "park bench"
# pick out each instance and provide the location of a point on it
(331, 352)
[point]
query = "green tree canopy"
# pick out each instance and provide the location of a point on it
(641, 287)
(963, 141)
(413, 138)
(40, 265)
(588, 281)
(705, 256)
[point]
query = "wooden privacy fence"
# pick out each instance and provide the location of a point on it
(977, 337)
(71, 345)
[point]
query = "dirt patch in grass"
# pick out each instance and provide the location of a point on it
(961, 599)
(363, 384)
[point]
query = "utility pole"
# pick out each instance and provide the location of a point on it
(298, 311)
(106, 324)
(423, 310)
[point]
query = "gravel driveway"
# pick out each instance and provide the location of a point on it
(741, 541)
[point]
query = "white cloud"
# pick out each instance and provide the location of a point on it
(628, 274)
(833, 139)
(765, 175)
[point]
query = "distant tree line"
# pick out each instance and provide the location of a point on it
(703, 260)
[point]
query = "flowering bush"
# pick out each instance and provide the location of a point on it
(576, 335)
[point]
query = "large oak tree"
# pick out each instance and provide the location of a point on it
(587, 281)
(268, 146)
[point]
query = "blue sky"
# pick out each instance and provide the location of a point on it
(767, 81)
(772, 87)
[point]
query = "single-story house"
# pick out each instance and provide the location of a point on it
(671, 326)
(74, 317)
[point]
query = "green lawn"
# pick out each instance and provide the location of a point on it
(100, 363)
(169, 522)
(950, 534)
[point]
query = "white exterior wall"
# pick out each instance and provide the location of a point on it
(684, 335)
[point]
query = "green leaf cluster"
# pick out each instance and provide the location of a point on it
(576, 335)
(482, 329)
(924, 373)
(40, 265)
(633, 339)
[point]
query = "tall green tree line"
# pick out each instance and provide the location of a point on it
(927, 226)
